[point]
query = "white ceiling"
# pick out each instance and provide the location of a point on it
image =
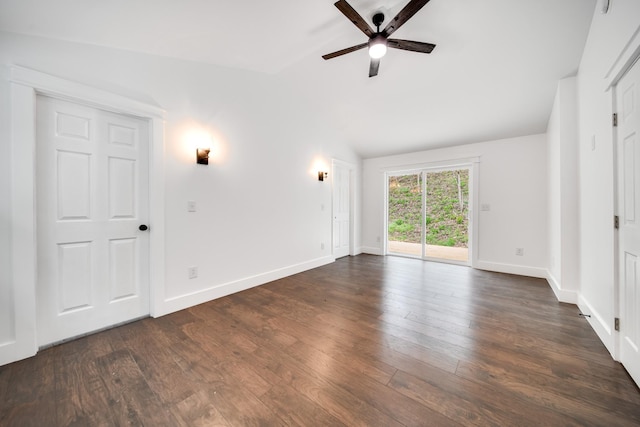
(492, 75)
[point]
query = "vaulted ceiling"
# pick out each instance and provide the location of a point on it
(492, 75)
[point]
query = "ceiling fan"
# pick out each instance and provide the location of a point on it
(379, 40)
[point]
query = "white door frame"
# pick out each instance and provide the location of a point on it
(352, 205)
(25, 84)
(473, 164)
(622, 64)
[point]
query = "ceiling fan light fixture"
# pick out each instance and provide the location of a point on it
(378, 39)
(377, 47)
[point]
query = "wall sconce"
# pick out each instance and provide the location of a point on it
(322, 175)
(202, 156)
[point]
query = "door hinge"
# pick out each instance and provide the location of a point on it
(615, 119)
(616, 222)
(616, 324)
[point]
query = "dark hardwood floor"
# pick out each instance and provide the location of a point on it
(368, 340)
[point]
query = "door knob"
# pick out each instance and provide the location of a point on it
(143, 227)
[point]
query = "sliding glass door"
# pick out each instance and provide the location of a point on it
(428, 214)
(405, 213)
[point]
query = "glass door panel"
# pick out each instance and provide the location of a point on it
(404, 214)
(447, 215)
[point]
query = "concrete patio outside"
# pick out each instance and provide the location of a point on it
(440, 252)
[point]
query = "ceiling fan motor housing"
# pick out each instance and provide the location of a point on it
(378, 19)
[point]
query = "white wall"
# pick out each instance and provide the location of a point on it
(259, 201)
(512, 180)
(554, 261)
(6, 291)
(608, 40)
(564, 218)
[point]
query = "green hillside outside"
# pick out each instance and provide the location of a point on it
(447, 208)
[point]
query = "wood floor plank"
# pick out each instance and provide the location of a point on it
(385, 399)
(199, 410)
(280, 398)
(364, 341)
(341, 404)
(80, 389)
(367, 332)
(30, 391)
(469, 404)
(553, 394)
(338, 402)
(157, 364)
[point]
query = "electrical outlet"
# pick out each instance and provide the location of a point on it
(193, 272)
(520, 251)
(322, 246)
(378, 239)
(191, 206)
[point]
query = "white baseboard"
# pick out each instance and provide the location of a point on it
(181, 302)
(371, 250)
(512, 269)
(603, 329)
(12, 351)
(562, 295)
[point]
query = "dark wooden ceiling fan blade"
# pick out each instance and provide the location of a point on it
(403, 16)
(411, 45)
(373, 67)
(345, 51)
(354, 17)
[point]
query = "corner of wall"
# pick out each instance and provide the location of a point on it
(569, 297)
(519, 270)
(371, 250)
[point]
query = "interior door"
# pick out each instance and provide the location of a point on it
(341, 210)
(628, 100)
(92, 198)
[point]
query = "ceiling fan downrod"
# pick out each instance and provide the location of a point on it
(378, 19)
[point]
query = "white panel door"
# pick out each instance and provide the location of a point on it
(92, 196)
(628, 100)
(341, 210)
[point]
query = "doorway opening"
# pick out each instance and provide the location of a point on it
(428, 214)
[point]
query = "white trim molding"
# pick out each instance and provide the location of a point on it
(218, 291)
(599, 325)
(625, 60)
(520, 270)
(371, 250)
(562, 295)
